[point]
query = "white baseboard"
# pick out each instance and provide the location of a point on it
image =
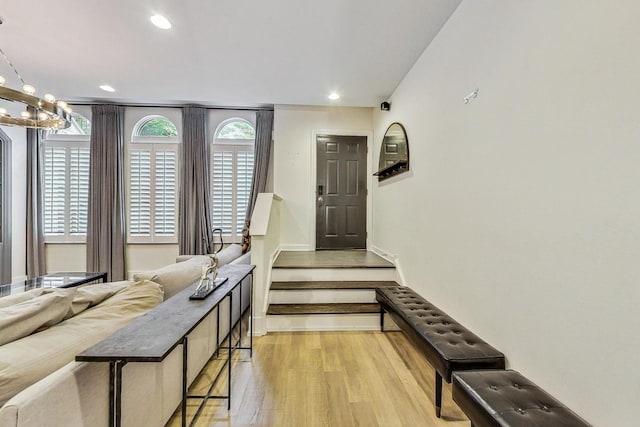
(296, 247)
(259, 326)
(383, 254)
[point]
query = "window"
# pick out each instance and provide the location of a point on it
(66, 181)
(153, 168)
(231, 175)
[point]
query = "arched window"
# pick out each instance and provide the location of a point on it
(156, 128)
(153, 169)
(236, 129)
(65, 158)
(80, 125)
(232, 157)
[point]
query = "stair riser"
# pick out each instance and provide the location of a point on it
(321, 296)
(328, 322)
(336, 274)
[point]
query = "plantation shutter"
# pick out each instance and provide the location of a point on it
(54, 190)
(78, 190)
(165, 192)
(244, 172)
(222, 188)
(140, 193)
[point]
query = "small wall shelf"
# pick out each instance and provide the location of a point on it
(391, 170)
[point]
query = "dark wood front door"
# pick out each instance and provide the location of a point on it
(341, 192)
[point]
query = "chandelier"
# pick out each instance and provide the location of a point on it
(41, 113)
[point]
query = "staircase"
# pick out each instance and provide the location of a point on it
(327, 290)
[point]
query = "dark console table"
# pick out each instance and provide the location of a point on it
(53, 280)
(152, 336)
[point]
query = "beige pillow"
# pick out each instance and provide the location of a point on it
(228, 254)
(174, 277)
(22, 319)
(21, 297)
(91, 295)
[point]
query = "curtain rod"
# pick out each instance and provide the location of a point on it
(130, 104)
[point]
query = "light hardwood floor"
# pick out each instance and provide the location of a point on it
(327, 379)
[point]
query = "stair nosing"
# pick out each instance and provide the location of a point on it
(366, 285)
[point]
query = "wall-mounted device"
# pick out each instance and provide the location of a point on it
(385, 106)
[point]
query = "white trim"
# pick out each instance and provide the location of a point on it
(269, 279)
(296, 247)
(393, 259)
(314, 175)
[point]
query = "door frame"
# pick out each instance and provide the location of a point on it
(5, 176)
(314, 175)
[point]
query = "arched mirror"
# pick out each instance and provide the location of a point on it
(394, 152)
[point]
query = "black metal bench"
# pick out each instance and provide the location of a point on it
(447, 345)
(506, 398)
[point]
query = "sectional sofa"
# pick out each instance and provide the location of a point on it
(42, 385)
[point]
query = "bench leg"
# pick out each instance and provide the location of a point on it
(438, 394)
(381, 319)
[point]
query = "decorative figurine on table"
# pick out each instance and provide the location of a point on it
(209, 279)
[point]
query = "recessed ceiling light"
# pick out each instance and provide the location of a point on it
(107, 88)
(160, 22)
(334, 96)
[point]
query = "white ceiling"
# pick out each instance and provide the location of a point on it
(219, 52)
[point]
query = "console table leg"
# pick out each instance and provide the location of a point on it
(230, 350)
(218, 331)
(184, 380)
(112, 393)
(240, 318)
(118, 393)
(251, 318)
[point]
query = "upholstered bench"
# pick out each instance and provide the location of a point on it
(447, 345)
(506, 398)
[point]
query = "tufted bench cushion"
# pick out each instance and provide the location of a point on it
(446, 344)
(506, 398)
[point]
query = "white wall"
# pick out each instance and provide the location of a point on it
(293, 145)
(520, 216)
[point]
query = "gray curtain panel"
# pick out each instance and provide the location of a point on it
(36, 258)
(106, 233)
(264, 130)
(195, 235)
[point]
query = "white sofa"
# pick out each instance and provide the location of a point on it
(77, 393)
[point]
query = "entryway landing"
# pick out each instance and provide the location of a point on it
(331, 259)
